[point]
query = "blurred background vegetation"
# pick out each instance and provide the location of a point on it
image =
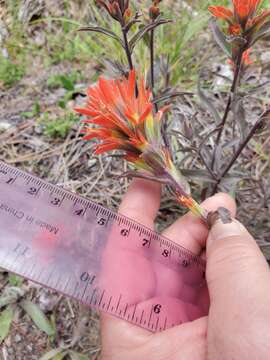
(45, 67)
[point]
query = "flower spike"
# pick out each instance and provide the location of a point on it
(124, 120)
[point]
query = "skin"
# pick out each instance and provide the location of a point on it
(238, 323)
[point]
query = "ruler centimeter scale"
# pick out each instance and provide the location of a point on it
(103, 259)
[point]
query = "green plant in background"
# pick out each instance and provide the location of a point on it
(57, 127)
(10, 72)
(11, 301)
(32, 113)
(67, 81)
(64, 43)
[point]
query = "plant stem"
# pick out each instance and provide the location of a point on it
(229, 102)
(185, 199)
(259, 124)
(127, 49)
(128, 53)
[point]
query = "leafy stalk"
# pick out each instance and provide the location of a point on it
(258, 125)
(127, 49)
(229, 103)
(126, 46)
(152, 56)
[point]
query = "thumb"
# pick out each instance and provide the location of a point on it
(239, 286)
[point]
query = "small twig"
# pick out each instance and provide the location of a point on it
(259, 124)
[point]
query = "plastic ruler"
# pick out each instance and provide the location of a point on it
(101, 258)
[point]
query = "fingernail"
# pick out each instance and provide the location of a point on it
(222, 231)
(222, 214)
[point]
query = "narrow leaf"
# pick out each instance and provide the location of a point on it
(104, 31)
(5, 322)
(170, 96)
(207, 104)
(52, 354)
(38, 317)
(220, 38)
(198, 175)
(240, 118)
(134, 40)
(263, 32)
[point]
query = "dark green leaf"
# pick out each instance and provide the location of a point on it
(38, 317)
(5, 322)
(67, 83)
(137, 37)
(220, 38)
(104, 31)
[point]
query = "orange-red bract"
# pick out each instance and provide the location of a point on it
(242, 16)
(121, 117)
(245, 8)
(125, 119)
(243, 20)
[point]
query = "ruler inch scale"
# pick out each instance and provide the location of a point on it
(103, 259)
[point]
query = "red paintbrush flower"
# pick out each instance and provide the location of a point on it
(243, 22)
(244, 9)
(125, 121)
(242, 17)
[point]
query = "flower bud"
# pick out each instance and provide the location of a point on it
(127, 14)
(154, 12)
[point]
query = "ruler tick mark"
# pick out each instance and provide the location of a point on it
(101, 297)
(92, 297)
(134, 312)
(125, 310)
(118, 303)
(109, 303)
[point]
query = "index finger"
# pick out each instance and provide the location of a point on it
(141, 202)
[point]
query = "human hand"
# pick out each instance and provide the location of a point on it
(239, 285)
